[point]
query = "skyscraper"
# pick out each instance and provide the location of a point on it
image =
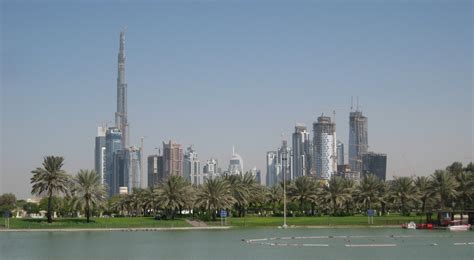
(113, 144)
(155, 170)
(133, 168)
(192, 167)
(172, 159)
(236, 164)
(285, 159)
(324, 147)
(340, 153)
(374, 163)
(301, 151)
(99, 154)
(358, 139)
(121, 121)
(272, 168)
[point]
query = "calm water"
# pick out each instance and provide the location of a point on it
(228, 244)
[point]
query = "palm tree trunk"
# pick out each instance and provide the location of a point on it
(87, 211)
(50, 219)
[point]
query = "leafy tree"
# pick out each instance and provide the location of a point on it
(88, 191)
(50, 180)
(213, 195)
(7, 202)
(31, 208)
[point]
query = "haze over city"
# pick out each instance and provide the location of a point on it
(218, 74)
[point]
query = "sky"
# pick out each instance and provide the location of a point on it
(213, 74)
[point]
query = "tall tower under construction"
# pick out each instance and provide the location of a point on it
(324, 147)
(358, 139)
(121, 121)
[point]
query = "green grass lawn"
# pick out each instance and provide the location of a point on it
(257, 221)
(125, 222)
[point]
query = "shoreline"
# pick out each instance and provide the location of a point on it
(189, 228)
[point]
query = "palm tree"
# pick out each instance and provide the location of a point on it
(213, 195)
(174, 194)
(335, 193)
(240, 191)
(350, 188)
(403, 191)
(465, 189)
(50, 180)
(302, 190)
(369, 190)
(274, 196)
(423, 190)
(88, 191)
(443, 187)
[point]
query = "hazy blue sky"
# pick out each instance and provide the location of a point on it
(218, 73)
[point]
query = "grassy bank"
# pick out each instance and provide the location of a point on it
(257, 221)
(128, 222)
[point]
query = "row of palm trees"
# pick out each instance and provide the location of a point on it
(448, 189)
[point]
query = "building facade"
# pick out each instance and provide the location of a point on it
(301, 151)
(155, 170)
(113, 144)
(133, 168)
(210, 169)
(358, 139)
(172, 159)
(236, 164)
(99, 154)
(285, 160)
(192, 167)
(376, 164)
(340, 153)
(324, 148)
(273, 168)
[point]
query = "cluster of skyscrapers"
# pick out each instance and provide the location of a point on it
(323, 157)
(121, 166)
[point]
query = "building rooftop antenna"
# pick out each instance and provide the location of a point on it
(352, 103)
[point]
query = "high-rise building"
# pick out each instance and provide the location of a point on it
(374, 163)
(192, 167)
(324, 147)
(301, 151)
(155, 170)
(113, 144)
(172, 159)
(256, 173)
(358, 139)
(272, 168)
(236, 164)
(99, 154)
(210, 169)
(118, 173)
(133, 168)
(285, 159)
(340, 153)
(121, 120)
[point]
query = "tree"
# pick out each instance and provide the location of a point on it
(274, 196)
(88, 191)
(422, 184)
(7, 202)
(335, 193)
(465, 189)
(302, 191)
(213, 195)
(403, 191)
(50, 180)
(369, 190)
(174, 194)
(443, 187)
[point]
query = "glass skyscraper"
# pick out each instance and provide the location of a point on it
(358, 139)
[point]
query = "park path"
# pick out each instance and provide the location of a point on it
(196, 223)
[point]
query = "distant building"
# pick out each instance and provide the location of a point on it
(99, 154)
(358, 139)
(210, 169)
(236, 164)
(155, 170)
(301, 151)
(132, 178)
(374, 163)
(285, 159)
(118, 173)
(346, 172)
(340, 153)
(273, 168)
(192, 167)
(256, 173)
(324, 148)
(172, 159)
(113, 144)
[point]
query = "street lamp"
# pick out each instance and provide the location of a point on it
(284, 158)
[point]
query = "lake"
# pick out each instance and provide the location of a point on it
(322, 243)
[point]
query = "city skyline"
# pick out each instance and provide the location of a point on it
(259, 93)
